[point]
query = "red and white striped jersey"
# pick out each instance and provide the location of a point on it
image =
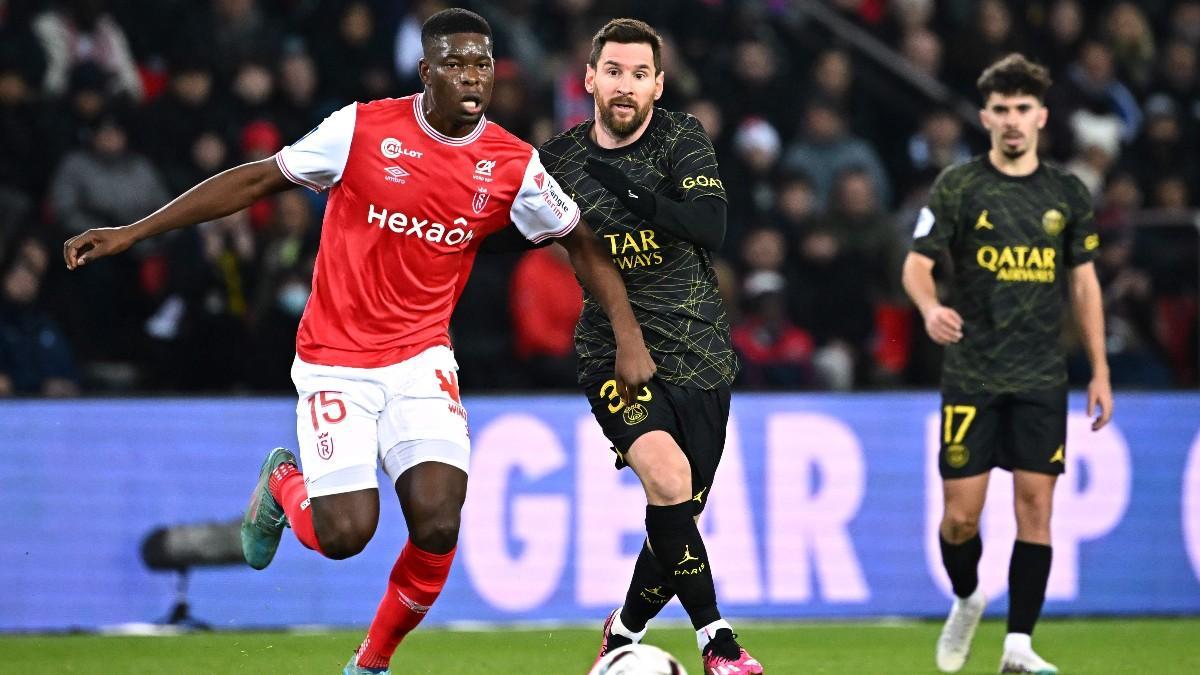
(407, 210)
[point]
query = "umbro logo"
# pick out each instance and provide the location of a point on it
(395, 174)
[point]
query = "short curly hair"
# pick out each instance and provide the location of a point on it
(1014, 74)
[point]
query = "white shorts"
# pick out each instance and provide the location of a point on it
(349, 420)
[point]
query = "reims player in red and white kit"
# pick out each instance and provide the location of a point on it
(415, 185)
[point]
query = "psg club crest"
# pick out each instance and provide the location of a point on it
(479, 201)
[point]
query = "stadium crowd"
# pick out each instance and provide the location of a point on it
(108, 108)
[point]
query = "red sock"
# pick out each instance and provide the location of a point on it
(417, 579)
(287, 487)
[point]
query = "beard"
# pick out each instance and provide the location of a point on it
(616, 127)
(1013, 152)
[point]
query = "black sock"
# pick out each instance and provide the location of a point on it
(1028, 572)
(962, 564)
(649, 591)
(676, 542)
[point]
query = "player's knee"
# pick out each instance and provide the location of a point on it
(959, 527)
(437, 534)
(343, 537)
(668, 487)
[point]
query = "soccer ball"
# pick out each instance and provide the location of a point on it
(637, 659)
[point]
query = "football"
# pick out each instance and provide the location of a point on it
(638, 659)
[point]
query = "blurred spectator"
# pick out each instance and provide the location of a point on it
(1161, 150)
(406, 47)
(199, 326)
(25, 161)
(299, 109)
(826, 148)
(833, 81)
(515, 36)
(104, 184)
(232, 31)
(572, 103)
(35, 357)
(355, 58)
(685, 82)
(862, 228)
(795, 210)
(1092, 86)
(1133, 356)
(764, 249)
(283, 281)
(830, 298)
(773, 352)
(1185, 22)
(1179, 78)
(1132, 43)
(252, 93)
(1061, 36)
(1097, 143)
(923, 50)
(510, 106)
(175, 122)
(1171, 194)
(910, 16)
(990, 36)
(82, 31)
(749, 185)
(938, 144)
(756, 86)
(545, 300)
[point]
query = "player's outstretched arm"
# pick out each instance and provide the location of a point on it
(1088, 304)
(943, 324)
(600, 277)
(225, 193)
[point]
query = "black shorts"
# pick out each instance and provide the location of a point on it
(695, 418)
(1022, 430)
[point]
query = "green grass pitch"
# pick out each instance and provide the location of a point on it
(1091, 647)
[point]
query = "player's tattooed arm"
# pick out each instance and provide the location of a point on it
(600, 277)
(225, 193)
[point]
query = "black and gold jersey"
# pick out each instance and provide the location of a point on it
(671, 283)
(1011, 242)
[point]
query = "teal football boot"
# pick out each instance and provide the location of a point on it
(264, 520)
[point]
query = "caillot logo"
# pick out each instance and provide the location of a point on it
(393, 148)
(1018, 263)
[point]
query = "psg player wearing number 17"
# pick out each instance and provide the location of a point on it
(415, 184)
